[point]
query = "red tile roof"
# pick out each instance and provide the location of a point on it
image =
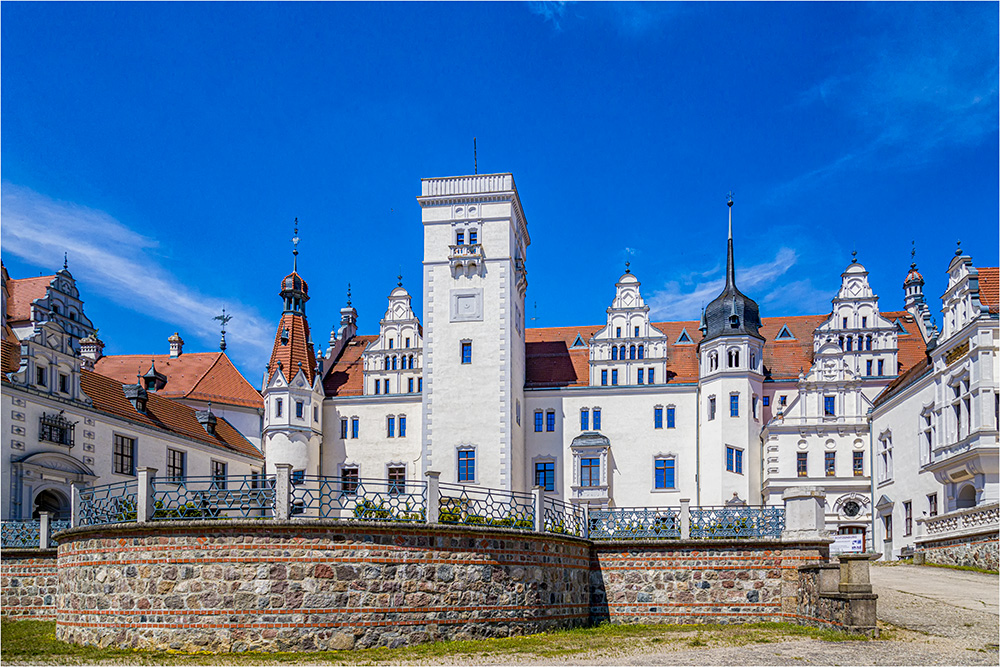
(199, 376)
(298, 351)
(10, 354)
(905, 379)
(989, 287)
(22, 292)
(162, 413)
(346, 376)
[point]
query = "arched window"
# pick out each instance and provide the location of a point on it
(631, 352)
(850, 343)
(394, 363)
(841, 341)
(614, 353)
(868, 342)
(734, 358)
(411, 362)
(713, 361)
(966, 497)
(642, 351)
(753, 360)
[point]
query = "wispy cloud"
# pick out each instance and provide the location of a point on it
(111, 259)
(679, 300)
(551, 11)
(631, 19)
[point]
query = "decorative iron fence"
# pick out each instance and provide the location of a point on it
(736, 521)
(55, 527)
(109, 503)
(479, 506)
(359, 498)
(231, 497)
(565, 518)
(20, 534)
(634, 523)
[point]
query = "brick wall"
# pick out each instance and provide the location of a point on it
(691, 582)
(326, 585)
(28, 583)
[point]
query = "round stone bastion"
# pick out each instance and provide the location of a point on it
(306, 585)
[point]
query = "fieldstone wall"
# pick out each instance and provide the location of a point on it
(688, 581)
(821, 603)
(972, 551)
(249, 585)
(28, 583)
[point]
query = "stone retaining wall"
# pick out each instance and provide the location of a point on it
(28, 583)
(979, 550)
(240, 585)
(693, 582)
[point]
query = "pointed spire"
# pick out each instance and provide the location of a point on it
(295, 248)
(730, 264)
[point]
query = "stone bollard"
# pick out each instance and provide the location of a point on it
(146, 502)
(282, 491)
(74, 512)
(539, 495)
(805, 518)
(433, 496)
(44, 530)
(685, 518)
(855, 572)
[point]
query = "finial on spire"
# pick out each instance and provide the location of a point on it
(913, 254)
(958, 250)
(295, 248)
(399, 279)
(729, 203)
(627, 265)
(475, 157)
(224, 319)
(854, 257)
(65, 260)
(348, 295)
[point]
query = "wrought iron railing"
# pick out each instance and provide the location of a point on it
(736, 522)
(564, 518)
(56, 526)
(109, 503)
(232, 497)
(354, 498)
(634, 523)
(479, 506)
(20, 534)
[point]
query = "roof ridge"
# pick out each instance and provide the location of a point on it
(207, 372)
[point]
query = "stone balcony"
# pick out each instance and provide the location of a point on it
(962, 522)
(467, 259)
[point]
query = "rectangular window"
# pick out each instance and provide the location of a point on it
(40, 376)
(343, 428)
(734, 405)
(378, 387)
(550, 421)
(349, 481)
(409, 385)
(734, 460)
(858, 464)
(407, 342)
(618, 332)
(397, 480)
(881, 367)
(657, 417)
(584, 419)
(649, 376)
(466, 352)
(711, 408)
(782, 400)
(590, 472)
(663, 473)
(518, 411)
(538, 421)
(830, 463)
(466, 466)
(64, 383)
(55, 428)
(473, 237)
(802, 464)
(315, 413)
(604, 378)
(830, 406)
(845, 323)
(420, 384)
(299, 408)
(390, 427)
(907, 518)
(887, 523)
(459, 238)
(545, 475)
(670, 416)
(219, 474)
(614, 376)
(597, 419)
(175, 464)
(124, 455)
(402, 426)
(278, 405)
(637, 332)
(390, 343)
(932, 504)
(639, 376)
(753, 407)
(355, 427)
(864, 322)
(298, 477)
(868, 367)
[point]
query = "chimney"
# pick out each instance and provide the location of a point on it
(91, 349)
(176, 345)
(207, 419)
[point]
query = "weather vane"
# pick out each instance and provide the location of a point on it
(729, 197)
(224, 319)
(348, 295)
(295, 247)
(628, 264)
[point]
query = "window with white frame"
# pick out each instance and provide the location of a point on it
(219, 470)
(590, 471)
(397, 479)
(402, 425)
(885, 457)
(734, 459)
(466, 465)
(349, 480)
(545, 475)
(124, 455)
(175, 464)
(664, 469)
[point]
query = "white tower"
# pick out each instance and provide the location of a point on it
(475, 238)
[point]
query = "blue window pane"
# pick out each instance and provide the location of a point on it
(642, 352)
(597, 420)
(631, 352)
(739, 461)
(466, 353)
(670, 417)
(538, 422)
(614, 354)
(734, 405)
(650, 381)
(639, 376)
(614, 377)
(729, 458)
(584, 420)
(829, 405)
(657, 417)
(545, 475)
(355, 427)
(466, 466)
(550, 421)
(664, 473)
(590, 472)
(402, 427)
(390, 427)
(604, 378)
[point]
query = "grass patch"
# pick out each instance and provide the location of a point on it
(967, 568)
(34, 642)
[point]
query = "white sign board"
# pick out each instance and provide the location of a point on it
(847, 544)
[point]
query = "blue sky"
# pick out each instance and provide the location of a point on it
(167, 147)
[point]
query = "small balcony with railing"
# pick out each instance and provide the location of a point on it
(466, 258)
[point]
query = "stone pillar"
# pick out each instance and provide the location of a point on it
(805, 518)
(539, 494)
(685, 518)
(433, 496)
(282, 491)
(145, 503)
(74, 516)
(44, 530)
(854, 572)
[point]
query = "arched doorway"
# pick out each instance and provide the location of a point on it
(52, 501)
(966, 497)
